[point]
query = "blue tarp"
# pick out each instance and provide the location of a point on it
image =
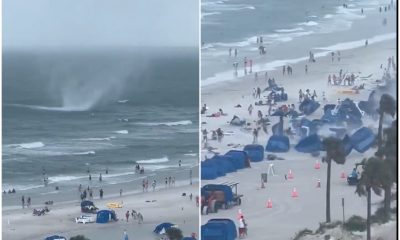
(362, 139)
(218, 187)
(55, 237)
(104, 216)
(278, 144)
(347, 145)
(218, 168)
(255, 152)
(219, 229)
(163, 227)
(238, 158)
(208, 173)
(309, 144)
(308, 106)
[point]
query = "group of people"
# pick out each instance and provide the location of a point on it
(9, 191)
(170, 181)
(88, 193)
(287, 69)
(28, 202)
(135, 216)
(139, 169)
(307, 95)
(342, 79)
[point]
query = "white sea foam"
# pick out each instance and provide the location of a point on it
(154, 160)
(122, 132)
(308, 23)
(190, 154)
(289, 30)
(46, 108)
(177, 123)
(205, 14)
(328, 16)
(63, 178)
(96, 139)
(123, 101)
(85, 153)
(30, 145)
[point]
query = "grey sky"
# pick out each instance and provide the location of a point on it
(73, 23)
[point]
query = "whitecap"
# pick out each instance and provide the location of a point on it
(122, 132)
(154, 160)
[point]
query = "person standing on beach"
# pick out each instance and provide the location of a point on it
(366, 43)
(236, 52)
(180, 163)
(333, 55)
(230, 52)
(250, 109)
(91, 193)
(256, 77)
(166, 182)
(190, 177)
(283, 70)
(120, 192)
(100, 178)
(101, 193)
(23, 201)
(306, 69)
(251, 65)
(154, 185)
(255, 135)
(28, 203)
(258, 93)
(147, 185)
(173, 181)
(338, 56)
(362, 11)
(127, 214)
(90, 177)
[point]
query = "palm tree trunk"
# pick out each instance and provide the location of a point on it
(386, 202)
(369, 213)
(380, 133)
(328, 191)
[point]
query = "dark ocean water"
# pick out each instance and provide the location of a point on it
(67, 112)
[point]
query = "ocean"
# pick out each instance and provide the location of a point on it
(290, 29)
(67, 112)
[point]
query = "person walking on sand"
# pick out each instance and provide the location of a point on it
(230, 52)
(236, 52)
(23, 201)
(125, 237)
(28, 203)
(140, 218)
(283, 70)
(306, 69)
(250, 109)
(101, 193)
(143, 184)
(127, 214)
(258, 93)
(242, 227)
(255, 135)
(154, 185)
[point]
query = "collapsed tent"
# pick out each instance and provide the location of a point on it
(238, 158)
(362, 139)
(55, 237)
(277, 144)
(308, 106)
(163, 227)
(208, 173)
(255, 152)
(309, 144)
(104, 216)
(219, 229)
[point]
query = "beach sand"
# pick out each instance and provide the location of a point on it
(170, 206)
(290, 215)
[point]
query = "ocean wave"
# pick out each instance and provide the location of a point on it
(309, 23)
(190, 154)
(289, 30)
(59, 109)
(85, 153)
(177, 123)
(63, 178)
(327, 16)
(205, 14)
(122, 132)
(123, 101)
(154, 160)
(30, 145)
(97, 139)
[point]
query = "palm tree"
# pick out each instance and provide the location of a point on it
(387, 105)
(334, 151)
(372, 178)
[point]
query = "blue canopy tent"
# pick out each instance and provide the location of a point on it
(255, 152)
(309, 144)
(347, 145)
(238, 158)
(208, 173)
(224, 163)
(362, 139)
(348, 112)
(308, 106)
(104, 216)
(228, 194)
(277, 144)
(219, 229)
(212, 164)
(163, 227)
(55, 237)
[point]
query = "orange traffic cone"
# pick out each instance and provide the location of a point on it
(317, 165)
(290, 174)
(294, 193)
(343, 175)
(318, 183)
(269, 203)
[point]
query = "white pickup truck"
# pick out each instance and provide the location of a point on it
(86, 219)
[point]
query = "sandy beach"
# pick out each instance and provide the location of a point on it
(163, 205)
(290, 215)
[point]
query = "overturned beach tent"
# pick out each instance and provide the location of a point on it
(277, 144)
(105, 216)
(308, 106)
(55, 237)
(309, 144)
(208, 173)
(163, 227)
(255, 152)
(219, 229)
(238, 158)
(362, 139)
